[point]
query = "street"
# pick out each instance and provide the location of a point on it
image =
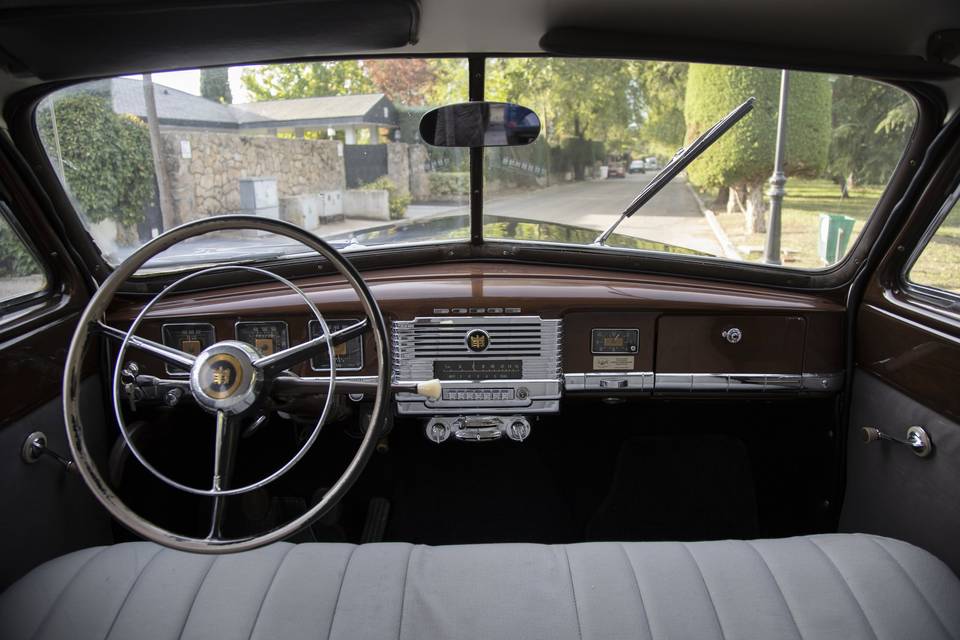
(671, 217)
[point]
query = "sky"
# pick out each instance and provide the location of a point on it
(189, 81)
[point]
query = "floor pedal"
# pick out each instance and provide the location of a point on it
(375, 526)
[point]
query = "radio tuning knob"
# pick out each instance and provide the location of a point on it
(519, 430)
(437, 431)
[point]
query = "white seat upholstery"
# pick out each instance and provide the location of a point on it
(825, 586)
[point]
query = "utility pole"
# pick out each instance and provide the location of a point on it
(167, 213)
(771, 254)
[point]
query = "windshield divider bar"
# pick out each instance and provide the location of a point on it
(475, 70)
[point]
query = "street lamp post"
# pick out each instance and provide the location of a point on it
(771, 254)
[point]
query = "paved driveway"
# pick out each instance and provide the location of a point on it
(672, 217)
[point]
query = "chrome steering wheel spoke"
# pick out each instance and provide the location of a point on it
(167, 354)
(283, 360)
(224, 458)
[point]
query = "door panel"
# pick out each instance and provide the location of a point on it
(892, 492)
(48, 511)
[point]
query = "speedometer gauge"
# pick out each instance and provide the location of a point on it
(348, 355)
(189, 337)
(266, 337)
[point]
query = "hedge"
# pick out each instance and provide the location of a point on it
(449, 184)
(745, 154)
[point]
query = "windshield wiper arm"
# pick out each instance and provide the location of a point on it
(678, 163)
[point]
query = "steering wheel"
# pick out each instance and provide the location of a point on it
(228, 379)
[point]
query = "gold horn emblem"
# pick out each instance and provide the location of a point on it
(221, 376)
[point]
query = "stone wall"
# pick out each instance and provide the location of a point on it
(398, 166)
(208, 181)
(419, 181)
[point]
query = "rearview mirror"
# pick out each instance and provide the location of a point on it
(480, 124)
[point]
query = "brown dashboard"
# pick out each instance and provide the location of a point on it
(684, 335)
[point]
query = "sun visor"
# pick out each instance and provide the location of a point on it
(80, 39)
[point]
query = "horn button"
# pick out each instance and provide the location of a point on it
(224, 379)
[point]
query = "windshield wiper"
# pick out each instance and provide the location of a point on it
(678, 163)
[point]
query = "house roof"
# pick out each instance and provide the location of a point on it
(178, 108)
(327, 107)
(175, 107)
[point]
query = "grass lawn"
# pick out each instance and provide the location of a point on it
(939, 265)
(802, 206)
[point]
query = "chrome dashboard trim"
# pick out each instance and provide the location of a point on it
(707, 383)
(627, 381)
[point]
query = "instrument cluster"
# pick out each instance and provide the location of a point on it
(267, 337)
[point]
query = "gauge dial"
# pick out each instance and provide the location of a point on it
(189, 337)
(615, 340)
(266, 337)
(348, 355)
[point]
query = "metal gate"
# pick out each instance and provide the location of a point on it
(364, 163)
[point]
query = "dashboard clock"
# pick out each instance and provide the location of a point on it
(266, 337)
(189, 337)
(613, 341)
(348, 355)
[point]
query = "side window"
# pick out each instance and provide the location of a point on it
(20, 271)
(938, 264)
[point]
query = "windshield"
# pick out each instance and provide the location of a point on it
(330, 146)
(334, 147)
(608, 127)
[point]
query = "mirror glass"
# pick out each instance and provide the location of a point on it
(480, 124)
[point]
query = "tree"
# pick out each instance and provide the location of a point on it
(579, 101)
(404, 81)
(664, 86)
(215, 85)
(743, 158)
(106, 157)
(307, 80)
(871, 125)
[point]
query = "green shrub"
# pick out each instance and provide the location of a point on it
(15, 260)
(449, 184)
(744, 155)
(398, 201)
(106, 157)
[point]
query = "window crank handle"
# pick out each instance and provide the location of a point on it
(917, 439)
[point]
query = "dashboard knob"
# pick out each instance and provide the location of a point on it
(437, 431)
(519, 430)
(732, 335)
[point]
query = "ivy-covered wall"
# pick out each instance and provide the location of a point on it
(105, 157)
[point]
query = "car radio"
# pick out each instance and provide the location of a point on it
(486, 364)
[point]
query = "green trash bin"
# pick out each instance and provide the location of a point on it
(835, 233)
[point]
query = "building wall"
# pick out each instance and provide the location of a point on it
(398, 166)
(208, 181)
(419, 182)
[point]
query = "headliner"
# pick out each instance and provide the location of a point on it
(855, 30)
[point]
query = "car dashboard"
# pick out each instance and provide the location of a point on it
(512, 342)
